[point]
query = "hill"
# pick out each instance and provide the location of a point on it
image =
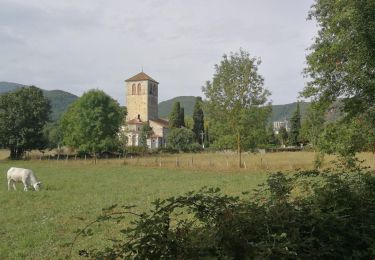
(187, 102)
(282, 112)
(279, 112)
(60, 100)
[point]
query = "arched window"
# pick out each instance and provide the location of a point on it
(133, 89)
(139, 89)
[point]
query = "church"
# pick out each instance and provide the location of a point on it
(142, 105)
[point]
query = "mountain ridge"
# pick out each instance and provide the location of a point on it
(60, 101)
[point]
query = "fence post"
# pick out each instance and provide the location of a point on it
(177, 162)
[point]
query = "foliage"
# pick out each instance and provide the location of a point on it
(52, 133)
(146, 132)
(271, 137)
(295, 126)
(331, 217)
(312, 125)
(175, 116)
(23, 115)
(283, 135)
(235, 97)
(198, 118)
(342, 138)
(180, 139)
(342, 59)
(92, 122)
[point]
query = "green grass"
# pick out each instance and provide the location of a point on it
(36, 225)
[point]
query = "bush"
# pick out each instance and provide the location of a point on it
(309, 215)
(180, 139)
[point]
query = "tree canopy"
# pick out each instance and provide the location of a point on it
(92, 122)
(198, 119)
(177, 116)
(236, 99)
(341, 64)
(23, 115)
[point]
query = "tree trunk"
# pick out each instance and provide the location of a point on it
(16, 153)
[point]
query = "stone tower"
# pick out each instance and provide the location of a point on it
(142, 97)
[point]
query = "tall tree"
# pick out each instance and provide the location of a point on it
(342, 59)
(182, 117)
(295, 126)
(146, 132)
(174, 117)
(198, 118)
(235, 89)
(23, 114)
(283, 135)
(92, 122)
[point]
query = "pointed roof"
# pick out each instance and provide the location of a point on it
(141, 76)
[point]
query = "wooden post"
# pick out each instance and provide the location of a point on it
(177, 162)
(67, 157)
(192, 161)
(75, 157)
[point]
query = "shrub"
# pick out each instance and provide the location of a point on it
(308, 215)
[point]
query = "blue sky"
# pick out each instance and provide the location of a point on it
(84, 44)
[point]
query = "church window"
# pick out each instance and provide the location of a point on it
(133, 89)
(139, 89)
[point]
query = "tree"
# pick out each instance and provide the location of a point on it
(344, 139)
(92, 122)
(342, 59)
(174, 117)
(198, 118)
(283, 135)
(312, 125)
(236, 89)
(271, 137)
(146, 132)
(181, 139)
(23, 115)
(182, 117)
(295, 126)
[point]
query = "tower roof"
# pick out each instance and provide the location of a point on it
(141, 76)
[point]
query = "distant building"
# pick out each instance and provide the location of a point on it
(278, 124)
(142, 107)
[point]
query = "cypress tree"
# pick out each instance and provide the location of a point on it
(198, 119)
(295, 126)
(182, 117)
(174, 117)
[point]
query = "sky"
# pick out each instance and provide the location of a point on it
(78, 45)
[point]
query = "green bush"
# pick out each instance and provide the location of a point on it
(308, 215)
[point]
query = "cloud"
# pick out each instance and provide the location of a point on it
(79, 45)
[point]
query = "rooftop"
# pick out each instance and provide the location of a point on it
(140, 77)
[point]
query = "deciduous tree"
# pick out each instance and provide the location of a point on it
(236, 89)
(23, 115)
(92, 122)
(342, 59)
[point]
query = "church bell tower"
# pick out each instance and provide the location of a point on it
(142, 97)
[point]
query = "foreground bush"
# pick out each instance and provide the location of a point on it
(308, 215)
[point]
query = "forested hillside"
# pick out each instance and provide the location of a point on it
(60, 100)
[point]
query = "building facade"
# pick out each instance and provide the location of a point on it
(142, 106)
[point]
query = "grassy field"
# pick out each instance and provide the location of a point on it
(36, 225)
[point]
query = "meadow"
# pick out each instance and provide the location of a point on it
(37, 225)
